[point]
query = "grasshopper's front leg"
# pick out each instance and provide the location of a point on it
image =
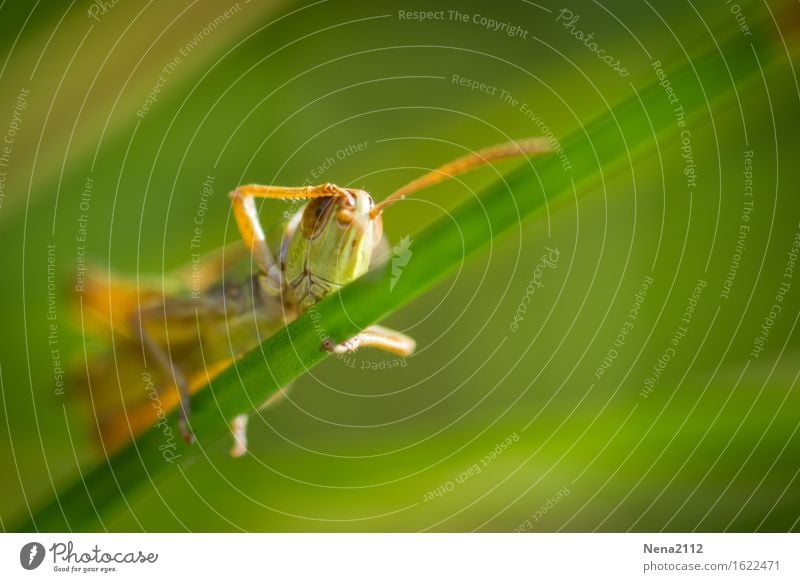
(375, 336)
(244, 209)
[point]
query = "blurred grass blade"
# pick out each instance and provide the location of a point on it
(606, 145)
(111, 81)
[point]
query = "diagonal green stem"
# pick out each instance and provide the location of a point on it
(604, 145)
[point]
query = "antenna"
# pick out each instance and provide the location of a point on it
(511, 149)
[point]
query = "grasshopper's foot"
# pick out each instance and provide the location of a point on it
(347, 347)
(239, 431)
(375, 336)
(239, 424)
(186, 433)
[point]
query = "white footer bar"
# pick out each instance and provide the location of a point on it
(356, 557)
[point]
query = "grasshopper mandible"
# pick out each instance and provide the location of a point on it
(329, 242)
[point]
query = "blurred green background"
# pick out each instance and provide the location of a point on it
(267, 92)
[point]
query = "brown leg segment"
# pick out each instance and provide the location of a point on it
(165, 363)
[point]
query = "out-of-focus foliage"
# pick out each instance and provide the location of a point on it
(677, 431)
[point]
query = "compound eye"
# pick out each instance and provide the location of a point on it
(316, 216)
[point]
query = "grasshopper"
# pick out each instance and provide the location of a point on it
(242, 293)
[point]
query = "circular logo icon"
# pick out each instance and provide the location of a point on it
(31, 555)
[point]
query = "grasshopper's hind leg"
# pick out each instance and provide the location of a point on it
(165, 363)
(239, 424)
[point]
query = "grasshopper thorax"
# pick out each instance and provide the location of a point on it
(331, 246)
